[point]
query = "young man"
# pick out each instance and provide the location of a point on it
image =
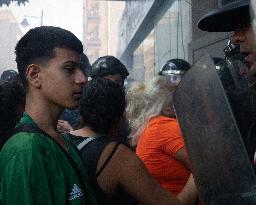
(37, 165)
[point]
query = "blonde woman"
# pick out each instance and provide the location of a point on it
(157, 136)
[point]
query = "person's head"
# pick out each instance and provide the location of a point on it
(234, 17)
(136, 101)
(102, 105)
(145, 103)
(160, 90)
(174, 69)
(110, 68)
(86, 65)
(9, 75)
(48, 61)
(12, 103)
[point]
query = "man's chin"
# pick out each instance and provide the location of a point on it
(72, 106)
(253, 69)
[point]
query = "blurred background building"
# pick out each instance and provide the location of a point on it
(10, 34)
(153, 31)
(100, 27)
(144, 34)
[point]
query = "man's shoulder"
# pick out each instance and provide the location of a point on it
(23, 142)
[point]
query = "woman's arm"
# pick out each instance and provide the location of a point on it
(127, 170)
(188, 195)
(182, 156)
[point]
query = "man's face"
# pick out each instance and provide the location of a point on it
(247, 74)
(116, 78)
(245, 38)
(62, 79)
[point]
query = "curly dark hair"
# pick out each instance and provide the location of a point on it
(12, 98)
(108, 65)
(38, 44)
(102, 104)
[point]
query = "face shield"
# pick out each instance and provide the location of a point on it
(174, 76)
(238, 69)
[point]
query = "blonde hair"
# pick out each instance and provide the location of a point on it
(146, 101)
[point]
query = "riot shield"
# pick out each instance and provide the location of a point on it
(220, 165)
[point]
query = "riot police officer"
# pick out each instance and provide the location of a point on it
(235, 17)
(174, 69)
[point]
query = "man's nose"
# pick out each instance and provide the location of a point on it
(80, 77)
(243, 70)
(237, 37)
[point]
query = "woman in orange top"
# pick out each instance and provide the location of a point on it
(156, 134)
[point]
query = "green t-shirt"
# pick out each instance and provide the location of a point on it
(35, 170)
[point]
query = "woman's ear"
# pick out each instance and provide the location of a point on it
(33, 76)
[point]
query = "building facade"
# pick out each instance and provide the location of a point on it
(100, 27)
(154, 31)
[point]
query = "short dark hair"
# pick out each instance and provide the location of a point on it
(108, 65)
(38, 44)
(86, 65)
(12, 95)
(102, 104)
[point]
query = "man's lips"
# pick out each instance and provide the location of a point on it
(77, 94)
(249, 59)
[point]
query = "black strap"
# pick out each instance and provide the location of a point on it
(27, 127)
(107, 160)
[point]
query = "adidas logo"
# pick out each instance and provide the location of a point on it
(75, 193)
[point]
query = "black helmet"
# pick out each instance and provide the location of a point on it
(175, 69)
(227, 18)
(8, 75)
(108, 65)
(175, 66)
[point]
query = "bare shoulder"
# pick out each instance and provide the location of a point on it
(122, 155)
(115, 160)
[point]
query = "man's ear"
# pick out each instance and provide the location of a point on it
(33, 76)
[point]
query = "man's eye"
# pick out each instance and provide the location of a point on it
(70, 69)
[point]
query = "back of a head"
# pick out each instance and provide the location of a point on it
(136, 102)
(149, 103)
(159, 90)
(12, 103)
(102, 104)
(9, 75)
(86, 65)
(159, 85)
(108, 65)
(38, 44)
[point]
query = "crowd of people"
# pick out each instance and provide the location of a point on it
(65, 139)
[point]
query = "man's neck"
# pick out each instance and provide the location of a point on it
(45, 116)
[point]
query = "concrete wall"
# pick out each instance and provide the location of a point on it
(132, 18)
(141, 16)
(138, 20)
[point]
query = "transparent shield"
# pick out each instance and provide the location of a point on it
(220, 164)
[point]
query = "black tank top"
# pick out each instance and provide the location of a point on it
(91, 154)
